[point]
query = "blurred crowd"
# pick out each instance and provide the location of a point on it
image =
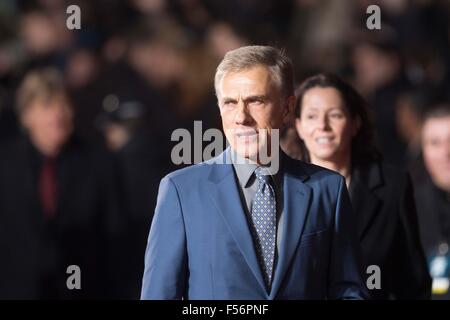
(86, 115)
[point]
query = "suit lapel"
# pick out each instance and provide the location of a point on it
(297, 197)
(364, 201)
(225, 195)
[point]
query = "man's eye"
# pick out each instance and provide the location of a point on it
(257, 102)
(434, 142)
(229, 103)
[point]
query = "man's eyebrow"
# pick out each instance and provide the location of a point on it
(255, 97)
(246, 99)
(228, 99)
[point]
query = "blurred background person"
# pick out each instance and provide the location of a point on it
(433, 197)
(336, 132)
(140, 165)
(380, 76)
(57, 200)
(410, 106)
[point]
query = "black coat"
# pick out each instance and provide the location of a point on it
(382, 198)
(35, 251)
(433, 208)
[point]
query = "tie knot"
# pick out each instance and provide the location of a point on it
(261, 176)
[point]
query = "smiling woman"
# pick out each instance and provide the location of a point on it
(327, 128)
(329, 97)
(333, 124)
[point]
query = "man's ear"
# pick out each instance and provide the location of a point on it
(288, 111)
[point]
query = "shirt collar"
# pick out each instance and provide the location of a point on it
(245, 169)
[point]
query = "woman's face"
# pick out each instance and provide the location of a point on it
(325, 125)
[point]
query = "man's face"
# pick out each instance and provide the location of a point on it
(436, 150)
(251, 106)
(48, 122)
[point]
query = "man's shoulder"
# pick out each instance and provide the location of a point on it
(196, 171)
(201, 171)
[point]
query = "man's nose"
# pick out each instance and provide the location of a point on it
(242, 114)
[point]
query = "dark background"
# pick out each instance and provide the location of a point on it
(162, 56)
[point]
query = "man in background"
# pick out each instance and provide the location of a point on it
(57, 201)
(433, 197)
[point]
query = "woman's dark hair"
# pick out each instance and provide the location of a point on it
(363, 143)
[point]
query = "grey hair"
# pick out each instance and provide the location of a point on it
(39, 83)
(278, 63)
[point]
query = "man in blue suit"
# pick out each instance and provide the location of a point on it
(237, 227)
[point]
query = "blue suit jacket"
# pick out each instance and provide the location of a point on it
(200, 246)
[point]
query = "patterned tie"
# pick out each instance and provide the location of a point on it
(264, 222)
